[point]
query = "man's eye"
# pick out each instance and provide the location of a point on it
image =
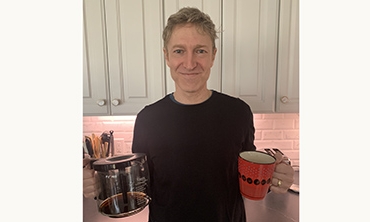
(178, 51)
(201, 51)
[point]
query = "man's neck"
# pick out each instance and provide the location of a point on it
(190, 98)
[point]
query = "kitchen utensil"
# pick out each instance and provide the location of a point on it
(111, 143)
(107, 141)
(122, 184)
(85, 151)
(96, 146)
(105, 149)
(255, 169)
(89, 146)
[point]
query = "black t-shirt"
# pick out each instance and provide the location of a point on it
(192, 155)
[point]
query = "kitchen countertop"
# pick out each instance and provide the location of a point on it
(274, 207)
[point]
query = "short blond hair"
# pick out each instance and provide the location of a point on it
(190, 15)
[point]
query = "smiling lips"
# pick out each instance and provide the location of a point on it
(190, 74)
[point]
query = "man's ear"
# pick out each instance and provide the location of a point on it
(214, 53)
(165, 52)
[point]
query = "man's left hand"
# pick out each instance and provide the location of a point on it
(283, 176)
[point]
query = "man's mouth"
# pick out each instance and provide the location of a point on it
(189, 73)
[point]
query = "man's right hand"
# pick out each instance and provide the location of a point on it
(88, 179)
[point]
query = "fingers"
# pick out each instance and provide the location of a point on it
(87, 173)
(278, 157)
(280, 185)
(284, 169)
(89, 188)
(282, 178)
(278, 189)
(88, 183)
(86, 163)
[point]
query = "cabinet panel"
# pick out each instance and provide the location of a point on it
(95, 85)
(287, 95)
(250, 51)
(136, 62)
(214, 9)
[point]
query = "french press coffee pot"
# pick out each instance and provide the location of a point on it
(122, 184)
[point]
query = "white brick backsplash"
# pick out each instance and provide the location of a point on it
(257, 116)
(296, 144)
(284, 124)
(264, 124)
(125, 135)
(275, 130)
(291, 134)
(258, 135)
(291, 116)
(280, 144)
(272, 135)
(296, 123)
(273, 116)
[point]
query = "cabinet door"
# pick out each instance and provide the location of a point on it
(287, 96)
(249, 56)
(95, 84)
(214, 9)
(136, 62)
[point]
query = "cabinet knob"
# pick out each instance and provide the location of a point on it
(284, 99)
(115, 102)
(101, 102)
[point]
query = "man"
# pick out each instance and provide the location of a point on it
(192, 137)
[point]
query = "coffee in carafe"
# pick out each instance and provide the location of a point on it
(122, 184)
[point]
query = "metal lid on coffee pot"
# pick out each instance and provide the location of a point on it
(118, 162)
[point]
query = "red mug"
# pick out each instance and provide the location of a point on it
(255, 169)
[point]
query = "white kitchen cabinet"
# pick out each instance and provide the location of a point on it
(124, 64)
(260, 63)
(287, 93)
(214, 9)
(95, 73)
(250, 51)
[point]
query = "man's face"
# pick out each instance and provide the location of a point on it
(190, 56)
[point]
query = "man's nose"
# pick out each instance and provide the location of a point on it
(190, 61)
